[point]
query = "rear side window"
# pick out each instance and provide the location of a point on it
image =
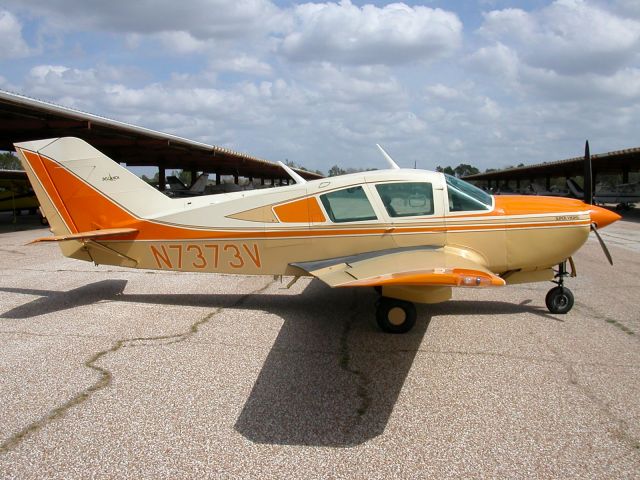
(348, 205)
(406, 199)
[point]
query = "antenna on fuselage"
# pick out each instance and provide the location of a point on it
(296, 178)
(388, 158)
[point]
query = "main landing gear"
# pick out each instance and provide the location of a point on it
(395, 316)
(560, 299)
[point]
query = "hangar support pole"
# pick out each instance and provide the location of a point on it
(625, 175)
(162, 178)
(217, 178)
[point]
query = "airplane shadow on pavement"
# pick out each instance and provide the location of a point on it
(331, 377)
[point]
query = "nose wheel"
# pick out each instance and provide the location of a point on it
(560, 299)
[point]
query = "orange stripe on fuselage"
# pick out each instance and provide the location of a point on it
(84, 208)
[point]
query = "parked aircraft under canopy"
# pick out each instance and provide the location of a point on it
(23, 118)
(620, 162)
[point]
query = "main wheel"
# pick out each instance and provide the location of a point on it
(559, 300)
(395, 316)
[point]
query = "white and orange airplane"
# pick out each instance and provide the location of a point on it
(411, 234)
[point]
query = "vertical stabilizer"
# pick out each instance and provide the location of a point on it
(81, 189)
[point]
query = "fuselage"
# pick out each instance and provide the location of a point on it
(263, 231)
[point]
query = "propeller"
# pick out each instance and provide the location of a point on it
(588, 179)
(594, 229)
(588, 198)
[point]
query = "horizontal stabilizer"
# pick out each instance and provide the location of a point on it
(107, 232)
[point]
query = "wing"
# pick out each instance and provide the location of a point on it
(438, 267)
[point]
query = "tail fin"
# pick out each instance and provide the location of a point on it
(575, 188)
(200, 184)
(80, 189)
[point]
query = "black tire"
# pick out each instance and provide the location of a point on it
(559, 300)
(395, 316)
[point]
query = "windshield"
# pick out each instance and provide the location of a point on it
(464, 196)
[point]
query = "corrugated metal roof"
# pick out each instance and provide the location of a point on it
(17, 106)
(627, 156)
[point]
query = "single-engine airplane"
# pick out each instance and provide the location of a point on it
(411, 234)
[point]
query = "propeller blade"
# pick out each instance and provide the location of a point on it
(588, 179)
(594, 229)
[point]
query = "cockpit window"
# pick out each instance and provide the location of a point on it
(465, 197)
(406, 199)
(348, 205)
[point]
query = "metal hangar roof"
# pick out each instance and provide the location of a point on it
(23, 118)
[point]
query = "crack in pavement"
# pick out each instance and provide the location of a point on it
(12, 251)
(106, 376)
(611, 321)
(345, 362)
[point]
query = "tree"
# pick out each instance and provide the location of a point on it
(184, 176)
(464, 169)
(336, 170)
(8, 161)
(152, 180)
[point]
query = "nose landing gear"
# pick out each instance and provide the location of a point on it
(560, 299)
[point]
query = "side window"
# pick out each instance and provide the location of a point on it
(461, 203)
(348, 205)
(406, 199)
(464, 197)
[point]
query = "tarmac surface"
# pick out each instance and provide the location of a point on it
(114, 373)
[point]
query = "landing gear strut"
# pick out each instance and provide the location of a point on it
(395, 316)
(560, 299)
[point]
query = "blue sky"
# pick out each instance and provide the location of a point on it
(492, 83)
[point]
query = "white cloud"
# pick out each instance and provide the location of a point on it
(202, 19)
(346, 34)
(360, 86)
(568, 37)
(498, 61)
(242, 63)
(321, 83)
(442, 92)
(13, 44)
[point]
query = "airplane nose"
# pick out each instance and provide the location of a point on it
(602, 217)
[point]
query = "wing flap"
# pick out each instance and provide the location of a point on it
(415, 267)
